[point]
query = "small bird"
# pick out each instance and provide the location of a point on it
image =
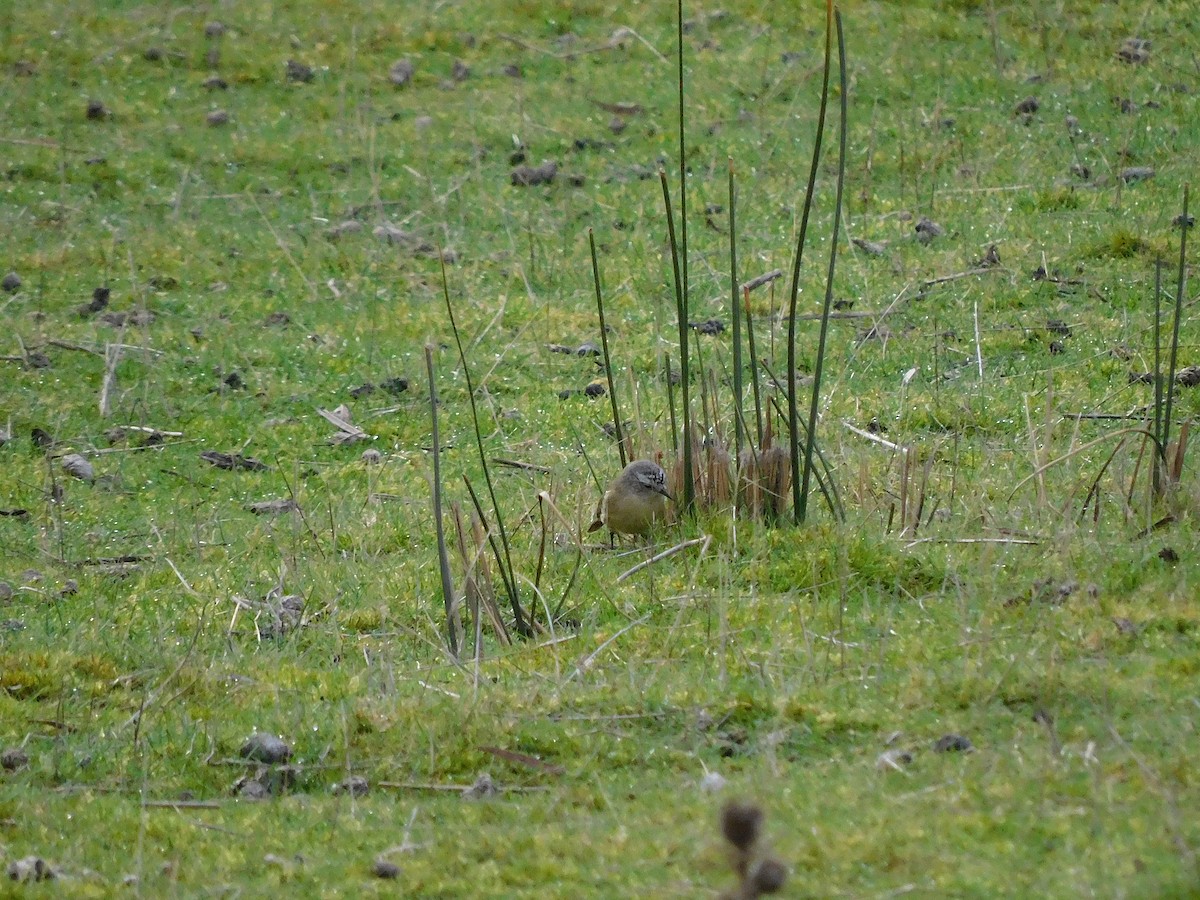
(634, 501)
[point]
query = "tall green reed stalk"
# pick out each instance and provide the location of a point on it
(503, 554)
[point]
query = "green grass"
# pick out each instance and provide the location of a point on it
(784, 660)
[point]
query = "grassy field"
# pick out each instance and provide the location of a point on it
(223, 218)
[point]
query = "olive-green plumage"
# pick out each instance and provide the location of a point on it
(635, 500)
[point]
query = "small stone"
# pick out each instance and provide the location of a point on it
(1028, 106)
(266, 748)
(355, 786)
(250, 788)
(710, 326)
(527, 176)
(6, 592)
(215, 83)
(1134, 50)
(272, 507)
(138, 318)
(77, 465)
(461, 71)
(217, 118)
(767, 876)
(232, 461)
(153, 54)
(214, 30)
(401, 72)
(395, 385)
(384, 868)
(298, 72)
(871, 248)
(990, 259)
(1134, 174)
(953, 743)
(11, 282)
(1188, 376)
(30, 869)
(341, 229)
(393, 234)
(1059, 327)
(484, 788)
(13, 758)
(927, 230)
(372, 457)
(96, 110)
(741, 823)
(100, 298)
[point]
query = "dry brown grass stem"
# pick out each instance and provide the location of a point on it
(711, 471)
(665, 554)
(884, 442)
(1176, 452)
(1075, 452)
(980, 540)
(764, 479)
(479, 589)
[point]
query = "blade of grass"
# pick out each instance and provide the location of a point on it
(739, 418)
(671, 405)
(505, 561)
(683, 217)
(1181, 286)
(679, 254)
(843, 86)
(608, 369)
(439, 525)
(524, 629)
(829, 491)
(758, 416)
(1160, 462)
(681, 312)
(793, 409)
(1075, 451)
